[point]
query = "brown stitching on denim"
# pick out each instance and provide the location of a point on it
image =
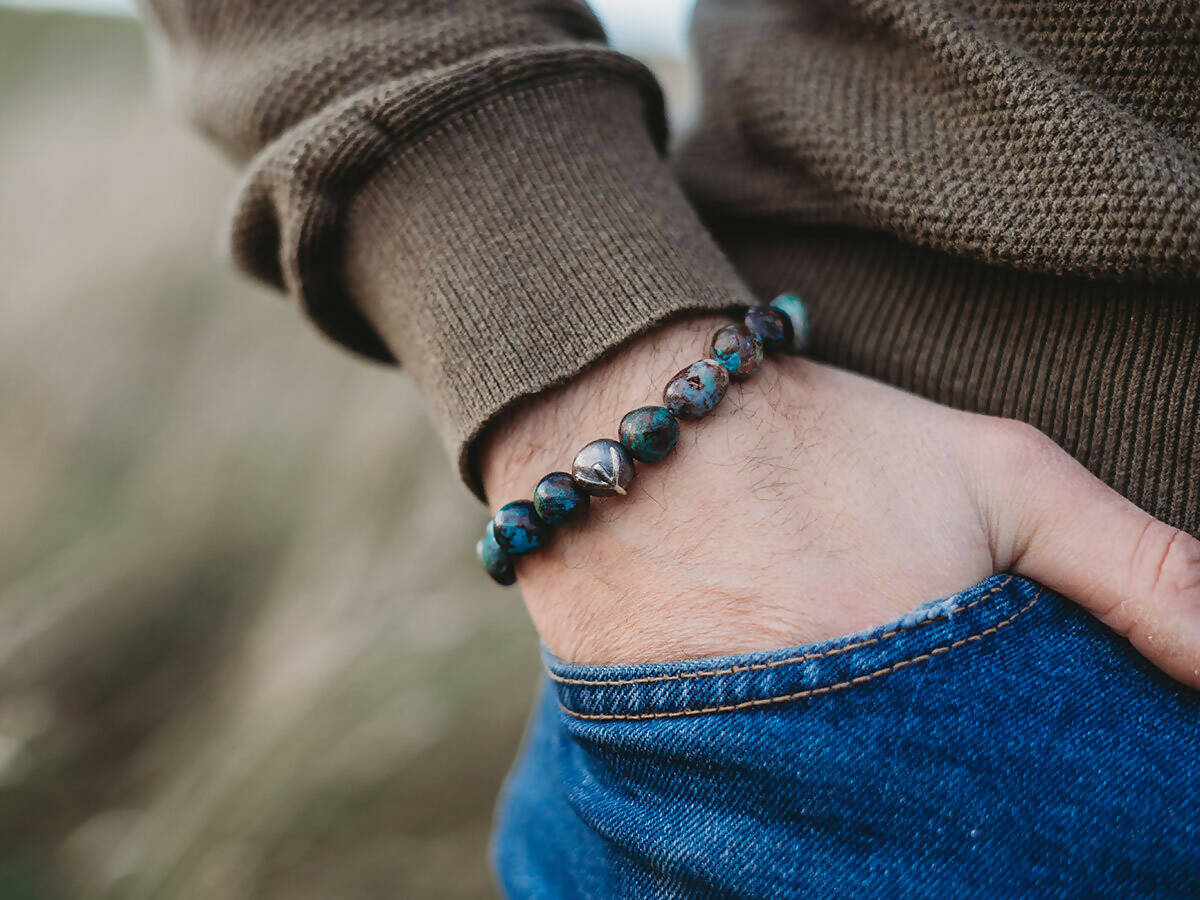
(810, 692)
(775, 663)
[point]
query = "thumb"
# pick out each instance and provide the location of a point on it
(1053, 521)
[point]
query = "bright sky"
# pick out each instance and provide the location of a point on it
(638, 26)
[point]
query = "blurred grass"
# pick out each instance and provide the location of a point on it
(244, 649)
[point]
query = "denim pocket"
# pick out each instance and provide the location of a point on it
(999, 743)
(753, 680)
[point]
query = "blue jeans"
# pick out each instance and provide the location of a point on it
(1001, 743)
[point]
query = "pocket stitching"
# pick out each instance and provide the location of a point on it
(810, 692)
(775, 663)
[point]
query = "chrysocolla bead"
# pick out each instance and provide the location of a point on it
(797, 313)
(649, 433)
(603, 468)
(495, 561)
(771, 326)
(518, 528)
(558, 499)
(696, 390)
(737, 350)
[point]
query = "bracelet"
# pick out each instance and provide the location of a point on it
(648, 434)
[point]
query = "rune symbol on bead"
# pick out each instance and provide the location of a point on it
(610, 479)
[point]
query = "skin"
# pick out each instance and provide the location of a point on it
(814, 503)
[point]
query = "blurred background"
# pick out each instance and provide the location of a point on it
(245, 650)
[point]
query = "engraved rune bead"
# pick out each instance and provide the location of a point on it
(518, 529)
(737, 350)
(495, 561)
(649, 433)
(558, 499)
(603, 468)
(797, 312)
(694, 391)
(771, 325)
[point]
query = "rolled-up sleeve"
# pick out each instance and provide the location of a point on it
(474, 190)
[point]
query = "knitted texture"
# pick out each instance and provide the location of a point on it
(570, 236)
(477, 190)
(1055, 137)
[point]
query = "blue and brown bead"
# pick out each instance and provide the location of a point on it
(696, 390)
(518, 528)
(737, 350)
(797, 314)
(558, 499)
(771, 325)
(495, 561)
(649, 433)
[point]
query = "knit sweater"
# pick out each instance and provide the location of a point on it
(993, 204)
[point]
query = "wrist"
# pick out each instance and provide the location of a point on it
(614, 586)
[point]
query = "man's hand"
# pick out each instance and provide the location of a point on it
(814, 503)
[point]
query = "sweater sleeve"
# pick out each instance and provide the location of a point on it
(475, 190)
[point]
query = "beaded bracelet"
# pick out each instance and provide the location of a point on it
(605, 468)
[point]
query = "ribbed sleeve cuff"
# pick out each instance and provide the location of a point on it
(518, 241)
